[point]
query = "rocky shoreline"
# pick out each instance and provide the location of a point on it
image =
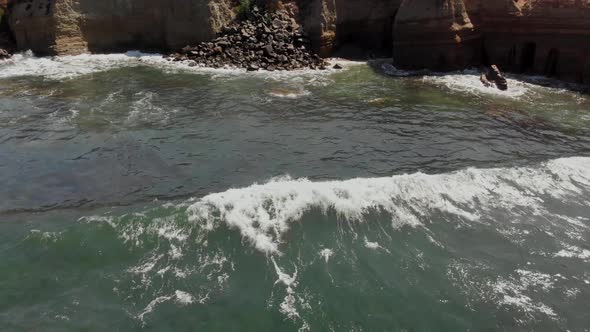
(261, 41)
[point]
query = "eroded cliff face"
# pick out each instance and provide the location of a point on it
(436, 34)
(336, 24)
(550, 37)
(78, 26)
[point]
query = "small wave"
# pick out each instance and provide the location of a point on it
(470, 83)
(64, 67)
(263, 212)
(67, 67)
(570, 251)
(288, 93)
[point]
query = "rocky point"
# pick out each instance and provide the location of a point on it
(263, 40)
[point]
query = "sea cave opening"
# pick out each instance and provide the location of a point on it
(527, 62)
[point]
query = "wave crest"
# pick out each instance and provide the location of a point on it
(263, 212)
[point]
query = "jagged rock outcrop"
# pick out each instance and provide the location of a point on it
(77, 26)
(494, 78)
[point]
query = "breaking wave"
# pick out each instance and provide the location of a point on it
(263, 212)
(188, 241)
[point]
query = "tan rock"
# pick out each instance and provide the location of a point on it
(78, 26)
(435, 34)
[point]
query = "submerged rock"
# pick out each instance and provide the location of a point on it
(270, 41)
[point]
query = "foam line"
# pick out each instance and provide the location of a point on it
(263, 212)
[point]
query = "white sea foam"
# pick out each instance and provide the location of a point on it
(64, 67)
(180, 297)
(326, 254)
(574, 252)
(518, 291)
(289, 305)
(373, 245)
(470, 83)
(145, 109)
(289, 93)
(512, 292)
(184, 298)
(263, 212)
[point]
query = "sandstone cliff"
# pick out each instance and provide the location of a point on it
(435, 34)
(77, 26)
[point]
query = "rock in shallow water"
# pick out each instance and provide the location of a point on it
(270, 41)
(4, 54)
(494, 77)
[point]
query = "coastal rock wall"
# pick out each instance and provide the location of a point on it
(337, 24)
(77, 26)
(550, 37)
(436, 34)
(367, 24)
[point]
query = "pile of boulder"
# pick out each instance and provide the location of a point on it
(262, 40)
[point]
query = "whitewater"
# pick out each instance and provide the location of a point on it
(141, 194)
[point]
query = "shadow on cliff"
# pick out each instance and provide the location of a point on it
(7, 40)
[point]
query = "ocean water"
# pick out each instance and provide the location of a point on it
(142, 195)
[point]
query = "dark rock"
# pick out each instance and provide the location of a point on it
(337, 66)
(4, 54)
(494, 76)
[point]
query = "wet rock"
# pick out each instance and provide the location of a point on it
(4, 54)
(337, 66)
(271, 41)
(494, 77)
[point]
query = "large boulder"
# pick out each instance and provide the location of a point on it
(78, 26)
